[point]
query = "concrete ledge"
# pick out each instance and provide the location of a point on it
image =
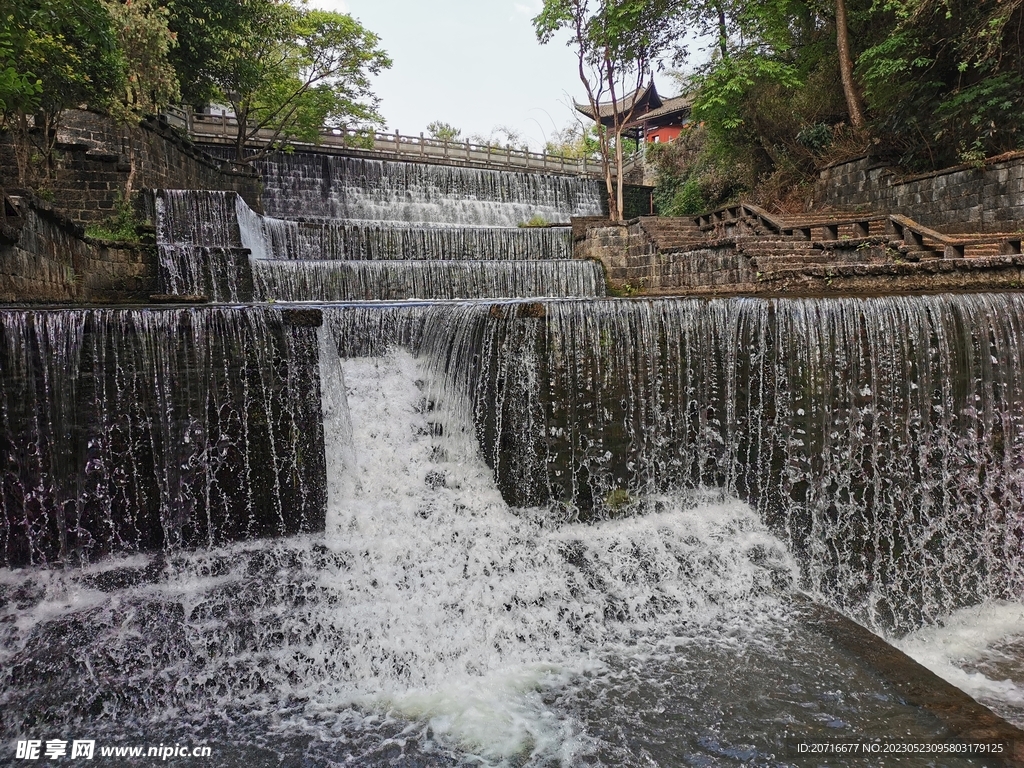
(966, 719)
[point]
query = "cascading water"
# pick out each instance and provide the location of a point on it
(435, 279)
(558, 533)
(333, 187)
(881, 438)
(125, 430)
(456, 236)
(359, 241)
(200, 245)
(434, 625)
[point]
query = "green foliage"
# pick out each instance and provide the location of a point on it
(121, 227)
(501, 137)
(19, 89)
(944, 91)
(695, 175)
(535, 221)
(56, 54)
(297, 71)
(443, 131)
(207, 33)
(145, 42)
(575, 140)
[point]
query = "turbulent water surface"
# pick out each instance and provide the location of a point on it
(561, 529)
(433, 624)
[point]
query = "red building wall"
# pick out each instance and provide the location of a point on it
(664, 134)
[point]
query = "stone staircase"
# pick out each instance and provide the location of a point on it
(838, 243)
(744, 249)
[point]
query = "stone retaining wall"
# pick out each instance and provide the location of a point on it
(44, 258)
(96, 157)
(633, 264)
(965, 198)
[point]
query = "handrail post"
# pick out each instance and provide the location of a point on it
(423, 148)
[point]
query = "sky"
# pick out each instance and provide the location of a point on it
(475, 64)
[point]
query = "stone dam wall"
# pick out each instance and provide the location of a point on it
(96, 157)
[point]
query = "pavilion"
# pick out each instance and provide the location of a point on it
(655, 120)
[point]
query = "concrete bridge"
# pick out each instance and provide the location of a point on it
(223, 129)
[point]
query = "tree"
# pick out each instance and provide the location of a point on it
(853, 100)
(946, 80)
(575, 140)
(55, 54)
(145, 42)
(443, 131)
(207, 32)
(502, 136)
(616, 43)
(296, 72)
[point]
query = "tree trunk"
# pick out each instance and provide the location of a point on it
(853, 103)
(242, 124)
(614, 212)
(618, 176)
(723, 32)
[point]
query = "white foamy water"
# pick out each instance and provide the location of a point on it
(486, 608)
(429, 613)
(981, 651)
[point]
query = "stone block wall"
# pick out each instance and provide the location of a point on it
(637, 201)
(633, 263)
(44, 258)
(96, 158)
(964, 198)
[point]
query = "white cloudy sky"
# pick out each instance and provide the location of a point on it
(475, 64)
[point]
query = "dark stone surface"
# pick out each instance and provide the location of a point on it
(989, 198)
(967, 719)
(139, 430)
(43, 256)
(48, 260)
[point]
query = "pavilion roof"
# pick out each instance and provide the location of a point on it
(668, 108)
(644, 98)
(649, 106)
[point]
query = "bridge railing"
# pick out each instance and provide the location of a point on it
(223, 129)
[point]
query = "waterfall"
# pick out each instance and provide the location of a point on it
(201, 247)
(882, 439)
(432, 624)
(351, 240)
(495, 532)
(237, 255)
(434, 279)
(128, 430)
(334, 187)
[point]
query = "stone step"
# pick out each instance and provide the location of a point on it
(762, 249)
(796, 260)
(910, 253)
